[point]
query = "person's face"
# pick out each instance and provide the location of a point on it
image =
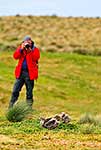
(30, 42)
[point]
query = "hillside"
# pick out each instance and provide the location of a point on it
(80, 35)
(68, 82)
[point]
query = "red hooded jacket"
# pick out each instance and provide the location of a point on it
(31, 58)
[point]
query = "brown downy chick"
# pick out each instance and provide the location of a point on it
(57, 117)
(49, 123)
(65, 117)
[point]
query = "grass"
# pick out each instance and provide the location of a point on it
(78, 35)
(67, 82)
(18, 112)
(88, 118)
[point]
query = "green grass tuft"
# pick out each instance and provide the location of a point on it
(70, 128)
(98, 120)
(87, 129)
(18, 112)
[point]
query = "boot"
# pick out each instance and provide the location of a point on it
(30, 102)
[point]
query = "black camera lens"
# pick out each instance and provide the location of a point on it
(27, 46)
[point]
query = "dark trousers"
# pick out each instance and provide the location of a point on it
(24, 79)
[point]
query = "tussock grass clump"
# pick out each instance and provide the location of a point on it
(87, 118)
(18, 112)
(98, 120)
(87, 129)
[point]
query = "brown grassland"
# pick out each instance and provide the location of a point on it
(81, 35)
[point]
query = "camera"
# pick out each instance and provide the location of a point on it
(27, 45)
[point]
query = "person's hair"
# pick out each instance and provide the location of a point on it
(32, 44)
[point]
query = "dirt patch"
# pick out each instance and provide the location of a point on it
(6, 139)
(8, 143)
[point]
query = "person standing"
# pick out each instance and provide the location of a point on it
(26, 71)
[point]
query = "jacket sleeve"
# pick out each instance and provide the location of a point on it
(18, 52)
(36, 54)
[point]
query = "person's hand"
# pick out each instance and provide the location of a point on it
(28, 50)
(22, 46)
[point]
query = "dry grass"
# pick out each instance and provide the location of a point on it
(80, 35)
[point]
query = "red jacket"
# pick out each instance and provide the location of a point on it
(31, 58)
